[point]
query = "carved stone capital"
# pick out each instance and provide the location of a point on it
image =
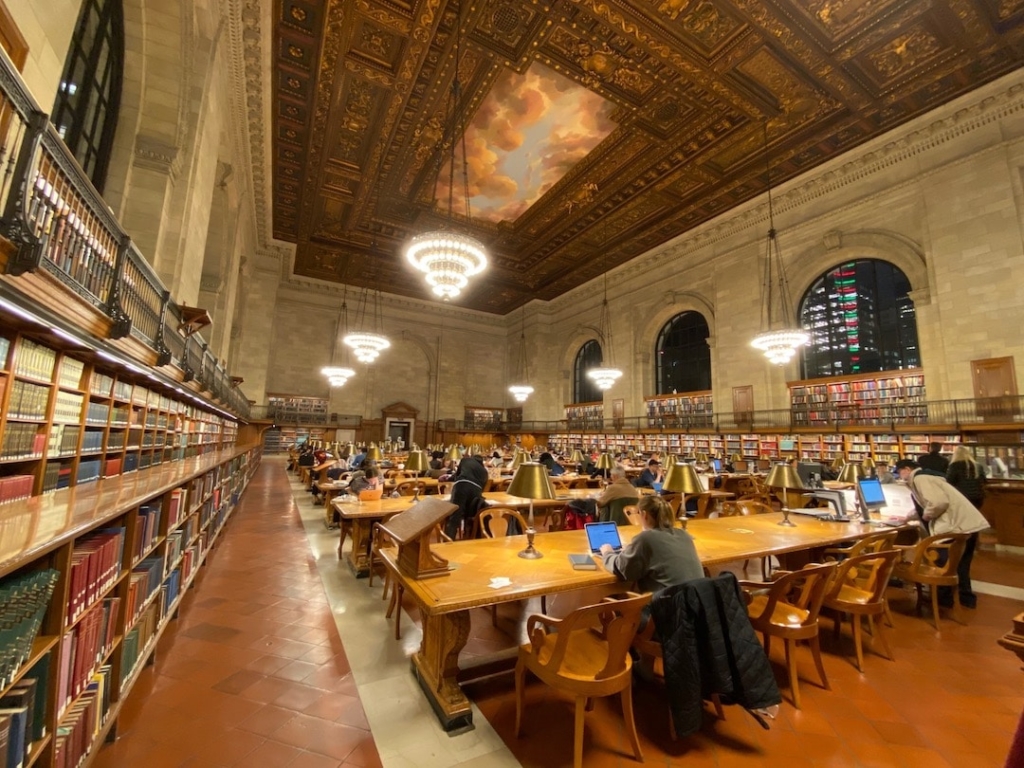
(156, 155)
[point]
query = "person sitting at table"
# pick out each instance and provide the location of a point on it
(554, 468)
(658, 557)
(356, 461)
(369, 480)
(619, 488)
(467, 493)
(334, 469)
(651, 475)
(496, 460)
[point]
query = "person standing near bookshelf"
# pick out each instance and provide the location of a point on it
(967, 476)
(933, 460)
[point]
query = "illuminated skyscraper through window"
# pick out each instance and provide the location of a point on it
(861, 320)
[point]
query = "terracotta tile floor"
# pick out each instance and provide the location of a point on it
(252, 673)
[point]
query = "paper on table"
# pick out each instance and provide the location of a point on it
(500, 581)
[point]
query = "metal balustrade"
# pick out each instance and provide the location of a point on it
(60, 225)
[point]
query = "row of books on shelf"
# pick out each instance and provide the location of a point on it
(27, 400)
(95, 566)
(69, 374)
(23, 715)
(147, 529)
(84, 648)
(22, 441)
(64, 440)
(67, 408)
(23, 603)
(143, 582)
(34, 360)
(84, 719)
(15, 487)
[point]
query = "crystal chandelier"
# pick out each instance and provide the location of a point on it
(777, 341)
(449, 258)
(369, 341)
(605, 376)
(338, 375)
(522, 390)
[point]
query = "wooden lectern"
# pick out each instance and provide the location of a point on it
(411, 530)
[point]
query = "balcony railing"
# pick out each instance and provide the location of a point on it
(934, 416)
(60, 225)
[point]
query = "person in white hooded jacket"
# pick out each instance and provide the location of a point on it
(946, 510)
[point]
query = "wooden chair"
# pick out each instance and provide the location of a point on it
(581, 482)
(392, 587)
(614, 511)
(556, 520)
(858, 589)
(651, 654)
(925, 568)
(501, 484)
(410, 487)
(632, 514)
(876, 542)
(560, 484)
(445, 488)
(496, 521)
(788, 608)
(585, 661)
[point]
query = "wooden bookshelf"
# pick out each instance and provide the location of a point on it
(690, 409)
(298, 409)
(585, 415)
(64, 422)
(865, 400)
(482, 417)
(124, 551)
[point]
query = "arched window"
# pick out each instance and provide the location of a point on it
(861, 320)
(85, 111)
(683, 356)
(584, 389)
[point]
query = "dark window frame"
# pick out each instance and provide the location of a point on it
(95, 91)
(584, 389)
(861, 320)
(698, 377)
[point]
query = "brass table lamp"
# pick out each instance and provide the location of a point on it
(417, 462)
(784, 476)
(531, 481)
(578, 459)
(851, 472)
(373, 453)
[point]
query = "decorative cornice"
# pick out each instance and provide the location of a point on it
(157, 155)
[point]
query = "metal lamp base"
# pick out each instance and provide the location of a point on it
(785, 519)
(530, 553)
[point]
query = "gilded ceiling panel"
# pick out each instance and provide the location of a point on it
(365, 116)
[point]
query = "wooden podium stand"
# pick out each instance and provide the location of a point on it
(410, 530)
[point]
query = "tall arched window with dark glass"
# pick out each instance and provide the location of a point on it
(85, 111)
(861, 320)
(683, 358)
(584, 389)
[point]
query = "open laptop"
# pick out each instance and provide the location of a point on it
(602, 533)
(716, 465)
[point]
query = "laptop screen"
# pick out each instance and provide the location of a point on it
(716, 464)
(871, 493)
(603, 533)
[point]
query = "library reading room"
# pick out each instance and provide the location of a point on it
(546, 383)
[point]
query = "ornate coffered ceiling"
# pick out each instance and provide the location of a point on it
(360, 92)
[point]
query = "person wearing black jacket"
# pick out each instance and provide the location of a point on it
(933, 460)
(467, 493)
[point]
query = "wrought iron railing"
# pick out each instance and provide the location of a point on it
(933, 416)
(60, 224)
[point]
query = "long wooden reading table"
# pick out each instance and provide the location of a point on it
(445, 601)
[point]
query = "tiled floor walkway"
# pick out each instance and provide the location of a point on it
(254, 674)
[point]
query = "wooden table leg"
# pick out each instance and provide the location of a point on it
(436, 666)
(359, 530)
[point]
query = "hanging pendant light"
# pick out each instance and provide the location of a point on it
(778, 340)
(522, 390)
(606, 375)
(449, 258)
(369, 341)
(338, 375)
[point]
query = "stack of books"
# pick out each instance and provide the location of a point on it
(23, 714)
(95, 565)
(23, 602)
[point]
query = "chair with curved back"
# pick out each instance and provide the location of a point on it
(411, 487)
(588, 656)
(632, 514)
(581, 482)
(497, 521)
(444, 488)
(934, 563)
(560, 484)
(613, 511)
(788, 608)
(858, 589)
(879, 541)
(501, 484)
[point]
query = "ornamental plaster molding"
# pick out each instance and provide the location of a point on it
(157, 155)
